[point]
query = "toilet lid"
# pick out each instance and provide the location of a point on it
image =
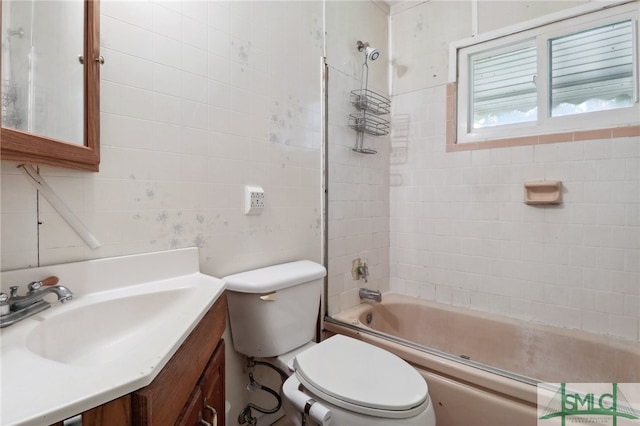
(361, 374)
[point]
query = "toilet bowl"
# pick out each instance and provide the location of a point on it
(359, 384)
(340, 381)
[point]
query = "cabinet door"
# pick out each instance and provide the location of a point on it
(192, 413)
(113, 413)
(212, 385)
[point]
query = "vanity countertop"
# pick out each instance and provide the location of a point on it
(128, 317)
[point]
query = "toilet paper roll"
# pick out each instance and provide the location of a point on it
(319, 413)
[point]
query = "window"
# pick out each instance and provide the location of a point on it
(592, 70)
(575, 74)
(503, 89)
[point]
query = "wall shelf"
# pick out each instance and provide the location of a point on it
(543, 192)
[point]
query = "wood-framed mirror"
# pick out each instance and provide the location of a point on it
(19, 143)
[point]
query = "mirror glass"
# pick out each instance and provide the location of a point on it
(51, 83)
(42, 76)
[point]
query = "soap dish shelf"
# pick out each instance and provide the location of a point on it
(543, 193)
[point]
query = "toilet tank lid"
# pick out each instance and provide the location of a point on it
(276, 277)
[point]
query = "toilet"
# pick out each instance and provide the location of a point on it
(341, 381)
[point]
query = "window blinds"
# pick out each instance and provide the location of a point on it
(503, 87)
(592, 70)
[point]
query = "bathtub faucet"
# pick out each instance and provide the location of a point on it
(360, 270)
(374, 295)
(363, 271)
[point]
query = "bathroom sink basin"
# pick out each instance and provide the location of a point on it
(129, 315)
(104, 331)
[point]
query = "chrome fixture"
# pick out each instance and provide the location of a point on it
(370, 52)
(367, 294)
(14, 308)
(99, 59)
(246, 415)
(359, 269)
(363, 271)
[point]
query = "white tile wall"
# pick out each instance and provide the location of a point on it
(358, 183)
(460, 233)
(198, 99)
(188, 100)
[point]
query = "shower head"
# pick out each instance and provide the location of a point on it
(370, 52)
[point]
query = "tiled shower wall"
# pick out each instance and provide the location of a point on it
(358, 184)
(460, 232)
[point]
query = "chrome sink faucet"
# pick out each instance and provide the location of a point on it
(14, 308)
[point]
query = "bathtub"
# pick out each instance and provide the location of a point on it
(483, 369)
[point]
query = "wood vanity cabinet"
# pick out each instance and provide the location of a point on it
(207, 399)
(197, 366)
(187, 390)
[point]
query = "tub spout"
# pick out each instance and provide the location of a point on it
(374, 295)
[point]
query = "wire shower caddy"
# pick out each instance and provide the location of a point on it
(371, 107)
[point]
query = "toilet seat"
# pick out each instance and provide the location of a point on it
(362, 378)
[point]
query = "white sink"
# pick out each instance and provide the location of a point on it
(105, 331)
(128, 317)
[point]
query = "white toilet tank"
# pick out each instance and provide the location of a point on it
(274, 310)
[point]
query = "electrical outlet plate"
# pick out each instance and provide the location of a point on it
(253, 200)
